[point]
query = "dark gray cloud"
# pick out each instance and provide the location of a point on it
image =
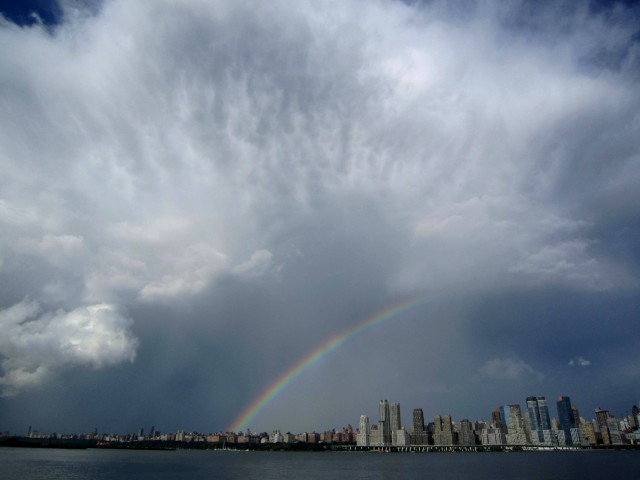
(196, 194)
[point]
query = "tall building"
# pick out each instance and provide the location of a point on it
(540, 422)
(517, 431)
(418, 421)
(418, 432)
(615, 434)
(466, 435)
(443, 431)
(380, 434)
(397, 432)
(497, 419)
(396, 422)
(602, 421)
(588, 433)
(576, 414)
(568, 433)
(635, 417)
(385, 422)
(506, 410)
(364, 431)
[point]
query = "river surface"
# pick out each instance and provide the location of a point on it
(27, 464)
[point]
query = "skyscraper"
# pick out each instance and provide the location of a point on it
(418, 421)
(466, 435)
(396, 423)
(364, 431)
(602, 419)
(443, 432)
(635, 413)
(507, 410)
(515, 426)
(576, 415)
(418, 432)
(385, 423)
(568, 433)
(497, 419)
(540, 422)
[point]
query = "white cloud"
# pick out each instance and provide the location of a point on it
(579, 361)
(509, 369)
(432, 116)
(36, 344)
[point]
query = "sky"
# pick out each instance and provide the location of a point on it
(197, 195)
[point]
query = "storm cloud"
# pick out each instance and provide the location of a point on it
(195, 194)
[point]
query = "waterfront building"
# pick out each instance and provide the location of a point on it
(515, 428)
(443, 431)
(497, 420)
(602, 420)
(364, 431)
(576, 414)
(539, 420)
(466, 435)
(518, 431)
(396, 424)
(506, 411)
(492, 436)
(384, 424)
(375, 435)
(587, 433)
(401, 437)
(568, 432)
(388, 431)
(615, 433)
(418, 433)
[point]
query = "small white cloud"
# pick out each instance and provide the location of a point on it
(508, 369)
(580, 362)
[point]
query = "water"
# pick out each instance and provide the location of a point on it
(28, 464)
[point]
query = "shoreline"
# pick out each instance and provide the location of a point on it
(84, 444)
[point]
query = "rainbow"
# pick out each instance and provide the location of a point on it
(333, 343)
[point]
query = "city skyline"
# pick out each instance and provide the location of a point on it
(390, 422)
(253, 213)
(507, 427)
